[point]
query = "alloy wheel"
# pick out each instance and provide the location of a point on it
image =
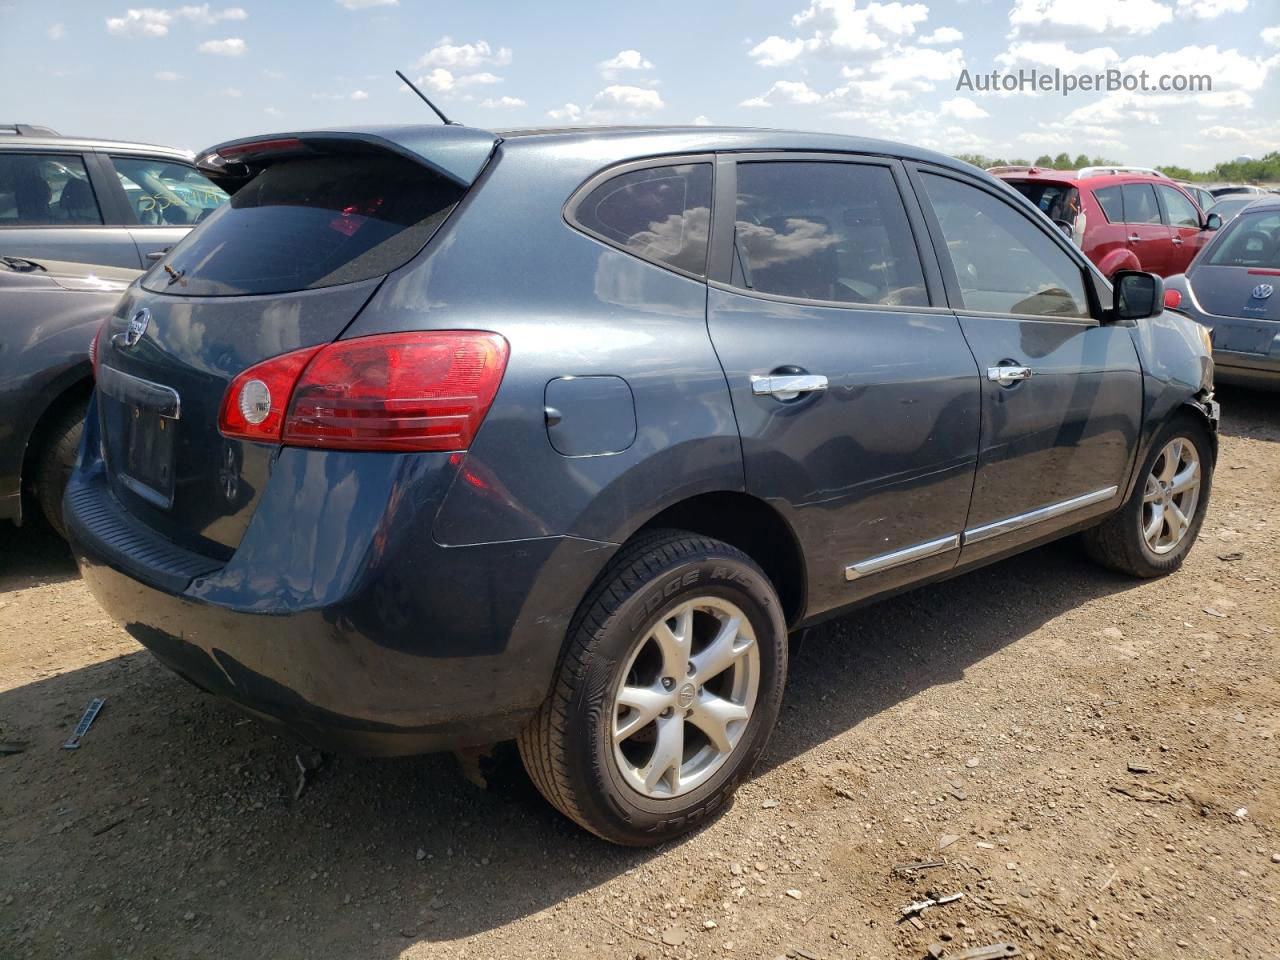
(685, 697)
(1171, 496)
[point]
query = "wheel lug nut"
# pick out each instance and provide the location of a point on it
(668, 682)
(691, 669)
(667, 712)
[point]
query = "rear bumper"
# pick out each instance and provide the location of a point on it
(1247, 369)
(339, 617)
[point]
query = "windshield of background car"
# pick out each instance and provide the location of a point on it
(1057, 201)
(311, 222)
(166, 193)
(1250, 240)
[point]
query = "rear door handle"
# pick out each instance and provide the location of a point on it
(1134, 238)
(1007, 374)
(1177, 241)
(156, 254)
(787, 386)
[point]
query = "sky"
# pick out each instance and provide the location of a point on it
(194, 75)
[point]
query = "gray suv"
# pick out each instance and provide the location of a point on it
(96, 201)
(436, 436)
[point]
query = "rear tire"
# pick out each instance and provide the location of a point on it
(1154, 531)
(55, 460)
(666, 692)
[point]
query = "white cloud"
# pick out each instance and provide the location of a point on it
(626, 60)
(776, 52)
(442, 81)
(359, 95)
(167, 76)
(1077, 18)
(492, 103)
(701, 121)
(354, 95)
(231, 47)
(207, 17)
(466, 56)
(841, 28)
(364, 4)
(56, 31)
(1057, 54)
(905, 72)
(630, 99)
(147, 22)
(943, 35)
(1271, 35)
(231, 92)
(785, 91)
(271, 111)
(570, 113)
(1209, 9)
(962, 108)
(155, 22)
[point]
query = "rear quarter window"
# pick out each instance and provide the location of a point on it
(308, 223)
(662, 214)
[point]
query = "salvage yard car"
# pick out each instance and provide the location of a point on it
(49, 311)
(1231, 289)
(1123, 218)
(104, 202)
(436, 437)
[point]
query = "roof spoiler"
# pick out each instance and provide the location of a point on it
(455, 152)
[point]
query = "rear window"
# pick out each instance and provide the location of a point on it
(1060, 202)
(1140, 203)
(1111, 201)
(662, 214)
(1250, 240)
(311, 222)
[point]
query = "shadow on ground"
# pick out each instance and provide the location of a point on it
(177, 806)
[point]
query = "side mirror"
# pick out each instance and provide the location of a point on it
(1137, 295)
(1213, 222)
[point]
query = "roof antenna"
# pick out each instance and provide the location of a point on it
(443, 119)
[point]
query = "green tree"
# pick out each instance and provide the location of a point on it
(1082, 161)
(1062, 161)
(1044, 160)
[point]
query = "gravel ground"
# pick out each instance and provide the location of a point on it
(1093, 759)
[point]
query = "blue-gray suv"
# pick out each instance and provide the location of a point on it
(436, 437)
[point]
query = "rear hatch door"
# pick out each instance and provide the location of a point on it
(287, 263)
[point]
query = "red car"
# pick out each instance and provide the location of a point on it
(1123, 218)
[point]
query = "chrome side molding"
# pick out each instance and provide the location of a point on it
(1017, 522)
(887, 560)
(932, 548)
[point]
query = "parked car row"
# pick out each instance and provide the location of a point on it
(79, 221)
(1123, 218)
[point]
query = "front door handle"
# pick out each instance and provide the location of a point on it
(1177, 241)
(1134, 238)
(787, 386)
(1007, 374)
(156, 255)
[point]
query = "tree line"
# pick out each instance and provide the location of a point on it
(1264, 170)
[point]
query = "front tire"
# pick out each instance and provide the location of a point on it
(666, 693)
(1154, 531)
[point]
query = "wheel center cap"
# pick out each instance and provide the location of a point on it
(686, 695)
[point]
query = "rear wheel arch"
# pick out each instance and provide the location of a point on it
(1119, 260)
(754, 527)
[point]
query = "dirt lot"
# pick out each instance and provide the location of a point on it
(992, 722)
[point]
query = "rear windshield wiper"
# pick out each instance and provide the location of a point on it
(22, 264)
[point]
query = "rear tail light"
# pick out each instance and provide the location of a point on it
(402, 391)
(1172, 299)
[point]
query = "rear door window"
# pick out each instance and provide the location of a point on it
(46, 190)
(164, 193)
(823, 230)
(1140, 203)
(311, 222)
(1181, 211)
(1003, 262)
(1111, 200)
(662, 214)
